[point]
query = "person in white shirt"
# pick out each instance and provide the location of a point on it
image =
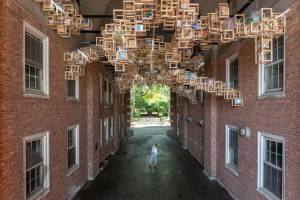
(153, 158)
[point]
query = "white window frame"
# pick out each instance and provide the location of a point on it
(261, 77)
(227, 154)
(76, 90)
(44, 136)
(100, 88)
(228, 61)
(77, 164)
(44, 93)
(260, 168)
(100, 131)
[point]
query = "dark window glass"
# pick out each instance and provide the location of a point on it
(33, 62)
(71, 148)
(34, 167)
(273, 167)
(233, 148)
(233, 74)
(71, 88)
(274, 71)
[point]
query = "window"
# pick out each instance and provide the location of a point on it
(232, 73)
(110, 89)
(271, 156)
(101, 131)
(105, 131)
(73, 148)
(110, 127)
(73, 88)
(272, 74)
(36, 60)
(232, 147)
(105, 86)
(37, 164)
(100, 88)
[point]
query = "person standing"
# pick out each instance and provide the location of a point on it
(153, 157)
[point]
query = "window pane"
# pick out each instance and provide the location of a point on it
(279, 187)
(274, 180)
(71, 88)
(233, 147)
(27, 45)
(233, 74)
(279, 148)
(71, 157)
(267, 172)
(268, 156)
(269, 78)
(273, 146)
(34, 154)
(280, 78)
(280, 41)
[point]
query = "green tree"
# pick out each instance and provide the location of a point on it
(153, 99)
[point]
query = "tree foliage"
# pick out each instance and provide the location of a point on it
(153, 100)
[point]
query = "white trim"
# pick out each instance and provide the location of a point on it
(44, 136)
(260, 157)
(261, 77)
(227, 162)
(45, 82)
(228, 61)
(77, 157)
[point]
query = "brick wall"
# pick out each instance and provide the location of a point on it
(26, 116)
(278, 116)
(22, 116)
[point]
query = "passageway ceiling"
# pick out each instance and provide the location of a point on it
(105, 7)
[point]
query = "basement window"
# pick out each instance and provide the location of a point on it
(37, 165)
(272, 74)
(232, 73)
(232, 148)
(73, 148)
(36, 61)
(271, 165)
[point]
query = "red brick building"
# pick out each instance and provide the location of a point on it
(81, 120)
(271, 111)
(68, 128)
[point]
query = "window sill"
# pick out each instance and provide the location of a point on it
(73, 169)
(36, 95)
(269, 195)
(275, 95)
(39, 194)
(232, 169)
(72, 99)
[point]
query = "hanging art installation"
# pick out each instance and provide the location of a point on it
(161, 41)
